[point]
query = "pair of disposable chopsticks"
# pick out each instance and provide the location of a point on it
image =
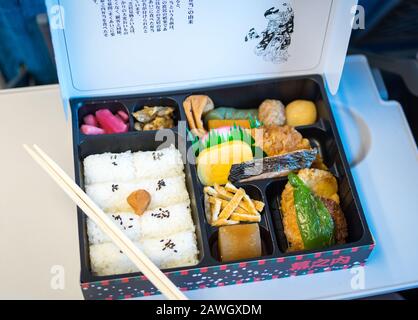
(144, 264)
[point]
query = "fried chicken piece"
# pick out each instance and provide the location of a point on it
(276, 140)
(324, 185)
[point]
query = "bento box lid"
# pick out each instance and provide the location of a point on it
(112, 47)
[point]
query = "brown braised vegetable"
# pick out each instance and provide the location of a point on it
(195, 107)
(154, 118)
(241, 241)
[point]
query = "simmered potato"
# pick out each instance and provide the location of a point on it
(300, 113)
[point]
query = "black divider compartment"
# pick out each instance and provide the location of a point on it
(322, 134)
(323, 141)
(355, 225)
(139, 104)
(82, 107)
(250, 95)
(87, 108)
(267, 246)
(136, 141)
(266, 226)
(273, 193)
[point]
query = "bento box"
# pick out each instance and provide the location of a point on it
(90, 83)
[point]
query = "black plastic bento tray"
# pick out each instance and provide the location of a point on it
(275, 261)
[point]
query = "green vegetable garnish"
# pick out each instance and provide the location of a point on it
(255, 123)
(214, 138)
(314, 220)
(223, 113)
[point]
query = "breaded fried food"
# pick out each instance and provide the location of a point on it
(324, 185)
(290, 223)
(321, 182)
(340, 232)
(319, 163)
(276, 140)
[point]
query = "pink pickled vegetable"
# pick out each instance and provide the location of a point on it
(124, 116)
(109, 122)
(90, 120)
(91, 130)
(221, 131)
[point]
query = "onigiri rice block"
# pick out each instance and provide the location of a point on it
(175, 251)
(111, 197)
(163, 163)
(159, 222)
(106, 259)
(165, 191)
(108, 167)
(165, 221)
(127, 222)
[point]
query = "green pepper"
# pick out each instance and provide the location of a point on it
(314, 220)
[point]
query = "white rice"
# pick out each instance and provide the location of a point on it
(107, 167)
(177, 250)
(112, 196)
(165, 191)
(163, 163)
(166, 221)
(165, 232)
(127, 222)
(168, 252)
(106, 259)
(160, 222)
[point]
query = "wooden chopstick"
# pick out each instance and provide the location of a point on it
(97, 215)
(147, 267)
